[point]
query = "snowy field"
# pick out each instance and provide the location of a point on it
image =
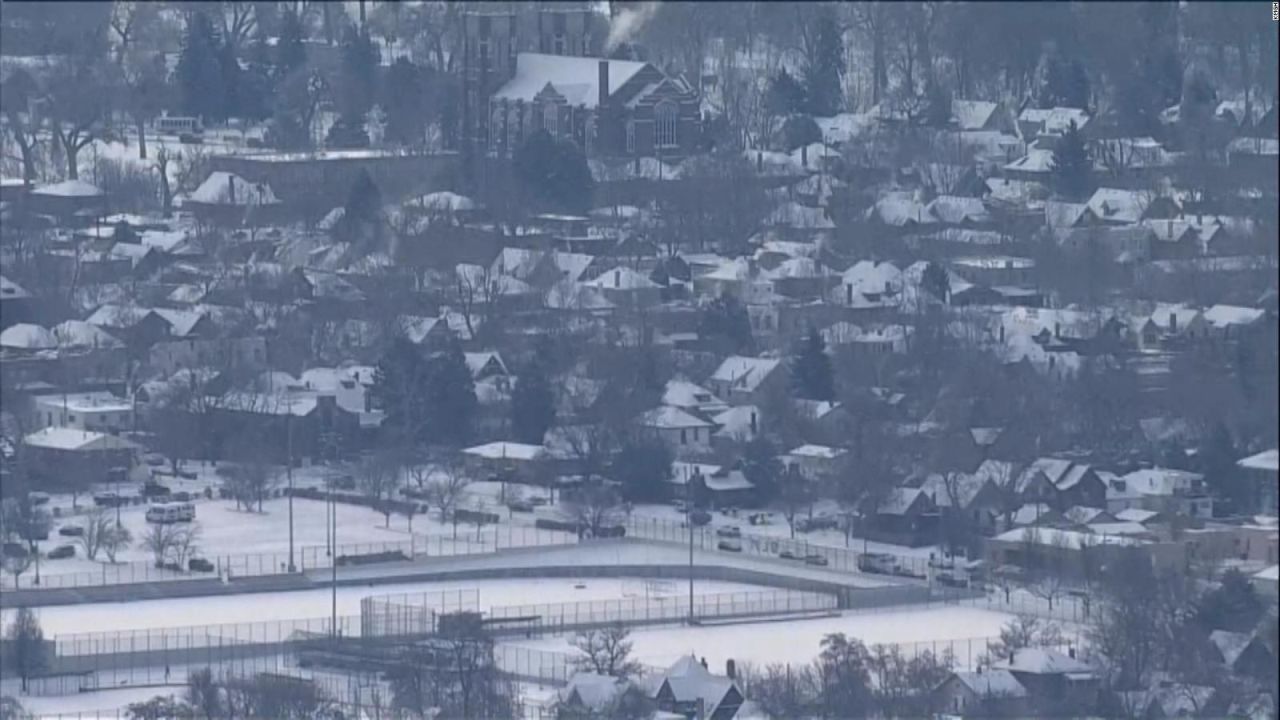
(796, 641)
(179, 612)
(101, 704)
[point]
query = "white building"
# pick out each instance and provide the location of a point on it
(89, 411)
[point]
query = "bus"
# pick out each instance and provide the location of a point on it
(178, 125)
(165, 513)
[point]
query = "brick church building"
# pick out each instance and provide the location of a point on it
(526, 68)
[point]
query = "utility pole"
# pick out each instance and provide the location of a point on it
(288, 425)
(688, 521)
(333, 563)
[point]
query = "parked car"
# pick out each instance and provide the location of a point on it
(880, 563)
(729, 545)
(729, 531)
(520, 506)
(816, 523)
(815, 559)
(155, 459)
(62, 551)
(199, 565)
(345, 482)
(181, 496)
(788, 555)
(537, 501)
(952, 578)
(71, 531)
(38, 498)
(699, 517)
(189, 139)
(152, 489)
(108, 499)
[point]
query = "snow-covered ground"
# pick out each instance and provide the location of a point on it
(182, 612)
(797, 641)
(103, 703)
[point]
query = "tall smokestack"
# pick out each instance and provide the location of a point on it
(603, 81)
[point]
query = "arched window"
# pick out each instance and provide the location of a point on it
(551, 119)
(666, 117)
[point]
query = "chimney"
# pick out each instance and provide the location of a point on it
(617, 278)
(804, 156)
(1057, 330)
(848, 294)
(704, 662)
(759, 161)
(231, 188)
(1173, 322)
(753, 432)
(603, 81)
(731, 669)
(1071, 652)
(1002, 333)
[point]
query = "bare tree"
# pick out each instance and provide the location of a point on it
(607, 651)
(160, 540)
(379, 477)
(1048, 563)
(594, 507)
(186, 544)
(98, 525)
(445, 489)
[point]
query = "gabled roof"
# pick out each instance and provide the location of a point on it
(735, 422)
(62, 438)
(1265, 460)
(1220, 316)
(78, 333)
(69, 188)
(571, 295)
(27, 336)
(684, 394)
(622, 278)
(477, 361)
(1035, 161)
(1118, 204)
(576, 79)
(955, 209)
(218, 188)
(745, 373)
(509, 450)
(10, 290)
(992, 684)
(972, 114)
(898, 209)
(868, 276)
(688, 682)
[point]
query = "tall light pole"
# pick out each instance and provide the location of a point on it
(288, 429)
(688, 521)
(333, 563)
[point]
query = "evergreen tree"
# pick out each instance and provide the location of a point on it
(364, 201)
(404, 99)
(199, 69)
(643, 468)
(1072, 172)
(784, 96)
(231, 76)
(347, 132)
(725, 323)
(26, 645)
(824, 70)
(400, 390)
(799, 130)
(450, 398)
(1233, 605)
(532, 404)
(936, 282)
(761, 467)
(554, 173)
(811, 375)
(359, 75)
(1066, 84)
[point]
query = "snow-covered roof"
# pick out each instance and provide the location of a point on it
(869, 276)
(28, 336)
(992, 684)
(1271, 574)
(86, 402)
(684, 394)
(443, 201)
(955, 209)
(667, 417)
(1136, 515)
(1041, 661)
(821, 452)
(570, 295)
(1057, 537)
(592, 690)
(478, 361)
(1035, 161)
(1083, 515)
(63, 438)
(795, 215)
(224, 188)
(69, 188)
(1265, 460)
(1118, 204)
(745, 373)
(1231, 645)
(898, 209)
(737, 422)
(502, 449)
(1160, 481)
(79, 333)
(690, 682)
(963, 487)
(899, 500)
(577, 79)
(797, 268)
(1011, 190)
(972, 114)
(1220, 316)
(1055, 120)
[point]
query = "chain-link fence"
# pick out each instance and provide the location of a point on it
(481, 540)
(406, 614)
(797, 550)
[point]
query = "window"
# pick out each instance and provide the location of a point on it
(71, 418)
(631, 136)
(683, 439)
(484, 48)
(551, 119)
(558, 45)
(666, 118)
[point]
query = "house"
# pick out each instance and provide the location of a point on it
(719, 486)
(485, 364)
(68, 199)
(1052, 679)
(1168, 699)
(1117, 206)
(1162, 490)
(1081, 515)
(590, 695)
(868, 280)
(743, 380)
(973, 115)
(906, 516)
(627, 288)
(688, 688)
(1046, 125)
(984, 693)
(1245, 654)
(814, 461)
(1229, 322)
(1034, 167)
(67, 455)
(737, 424)
(517, 462)
(973, 497)
(952, 210)
(97, 411)
(1061, 483)
(1266, 583)
(1264, 470)
(1071, 553)
(228, 199)
(684, 432)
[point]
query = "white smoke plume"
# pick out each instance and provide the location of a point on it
(628, 22)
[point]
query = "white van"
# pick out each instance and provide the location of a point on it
(171, 513)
